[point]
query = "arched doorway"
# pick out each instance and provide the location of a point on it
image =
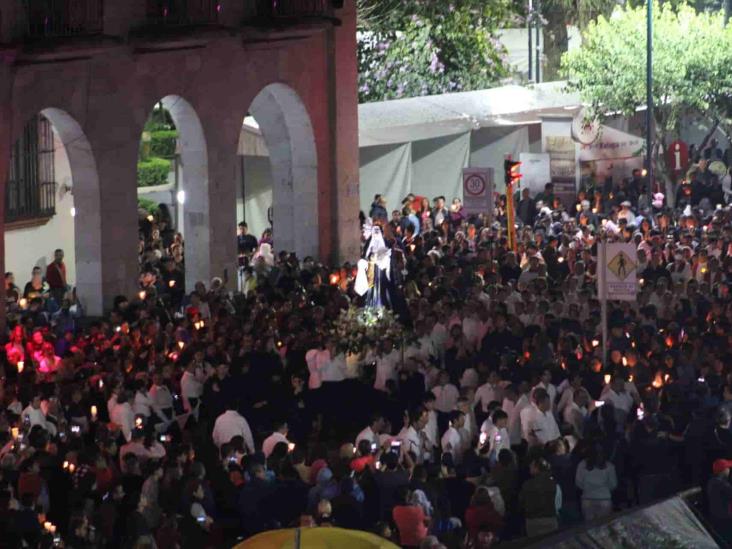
(278, 113)
(180, 182)
(53, 201)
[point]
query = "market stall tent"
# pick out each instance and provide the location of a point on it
(421, 144)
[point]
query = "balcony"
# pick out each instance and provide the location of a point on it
(46, 19)
(183, 13)
(295, 9)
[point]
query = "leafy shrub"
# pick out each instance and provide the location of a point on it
(163, 143)
(153, 171)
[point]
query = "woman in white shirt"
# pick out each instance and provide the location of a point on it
(597, 480)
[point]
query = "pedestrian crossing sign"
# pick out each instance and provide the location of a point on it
(621, 265)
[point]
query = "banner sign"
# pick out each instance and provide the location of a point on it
(478, 191)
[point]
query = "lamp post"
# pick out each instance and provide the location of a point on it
(649, 96)
(529, 19)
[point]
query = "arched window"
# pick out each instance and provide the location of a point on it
(31, 189)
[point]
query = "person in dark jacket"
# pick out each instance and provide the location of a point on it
(378, 209)
(719, 495)
(251, 501)
(537, 499)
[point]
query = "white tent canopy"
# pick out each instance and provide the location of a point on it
(405, 120)
(421, 144)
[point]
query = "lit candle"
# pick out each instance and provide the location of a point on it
(181, 345)
(47, 526)
(71, 467)
(101, 383)
(595, 343)
(607, 378)
(66, 464)
(657, 381)
(560, 259)
(150, 218)
(625, 361)
(171, 283)
(23, 303)
(333, 279)
(53, 528)
(15, 432)
(94, 413)
(21, 365)
(142, 295)
(138, 422)
(291, 447)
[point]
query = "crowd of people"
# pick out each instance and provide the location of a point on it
(198, 417)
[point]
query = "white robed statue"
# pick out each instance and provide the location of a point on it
(374, 269)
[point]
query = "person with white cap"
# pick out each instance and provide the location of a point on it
(626, 213)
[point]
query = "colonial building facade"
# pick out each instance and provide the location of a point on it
(95, 68)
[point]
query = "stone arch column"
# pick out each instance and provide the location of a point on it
(288, 133)
(87, 221)
(194, 183)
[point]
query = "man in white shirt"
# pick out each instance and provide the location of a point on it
(371, 432)
(575, 412)
(143, 403)
(35, 416)
(230, 424)
(446, 394)
(138, 447)
(430, 428)
(191, 387)
(514, 415)
(488, 392)
(567, 390)
(622, 400)
(451, 441)
(316, 360)
(123, 415)
(413, 438)
(334, 368)
(279, 435)
(545, 382)
(538, 425)
(386, 365)
(162, 400)
(495, 437)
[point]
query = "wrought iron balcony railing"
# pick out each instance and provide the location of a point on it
(63, 18)
(184, 12)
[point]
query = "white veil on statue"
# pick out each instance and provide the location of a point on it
(380, 254)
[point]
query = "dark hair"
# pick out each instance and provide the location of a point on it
(498, 415)
(595, 458)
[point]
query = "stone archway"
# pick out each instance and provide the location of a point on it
(193, 194)
(288, 133)
(87, 217)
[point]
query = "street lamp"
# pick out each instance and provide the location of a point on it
(649, 95)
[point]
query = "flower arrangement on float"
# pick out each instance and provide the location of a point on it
(360, 329)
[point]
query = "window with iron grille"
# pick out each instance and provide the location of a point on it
(31, 189)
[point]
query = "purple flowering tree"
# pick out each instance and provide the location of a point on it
(424, 47)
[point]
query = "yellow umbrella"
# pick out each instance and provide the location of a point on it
(316, 538)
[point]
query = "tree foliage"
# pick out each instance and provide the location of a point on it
(691, 55)
(423, 47)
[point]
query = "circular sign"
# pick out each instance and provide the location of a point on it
(475, 185)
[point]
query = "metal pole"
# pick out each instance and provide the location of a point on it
(538, 41)
(649, 96)
(727, 11)
(603, 296)
(528, 28)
